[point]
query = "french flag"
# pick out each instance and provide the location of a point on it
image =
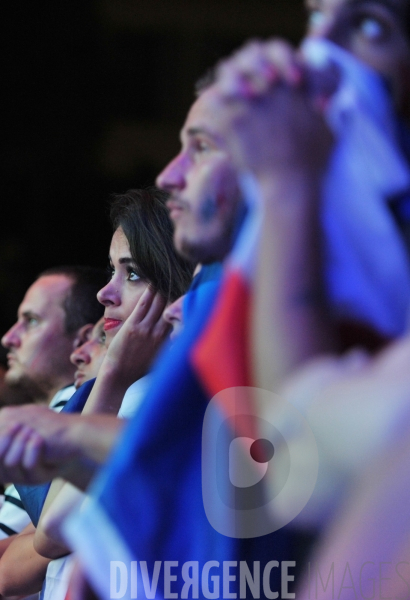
(146, 505)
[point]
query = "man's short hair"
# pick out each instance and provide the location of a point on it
(206, 81)
(80, 304)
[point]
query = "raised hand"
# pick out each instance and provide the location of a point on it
(254, 69)
(130, 354)
(135, 346)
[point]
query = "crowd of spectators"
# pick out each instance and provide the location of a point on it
(238, 393)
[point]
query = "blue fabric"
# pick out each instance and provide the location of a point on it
(34, 496)
(150, 489)
(400, 203)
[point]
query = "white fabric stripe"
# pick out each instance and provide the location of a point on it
(97, 542)
(13, 516)
(244, 253)
(366, 263)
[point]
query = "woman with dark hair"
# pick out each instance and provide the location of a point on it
(146, 275)
(143, 217)
(142, 256)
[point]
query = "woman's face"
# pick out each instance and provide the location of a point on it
(89, 356)
(125, 288)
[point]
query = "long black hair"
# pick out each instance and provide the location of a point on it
(144, 219)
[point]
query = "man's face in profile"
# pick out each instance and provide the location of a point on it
(203, 187)
(39, 347)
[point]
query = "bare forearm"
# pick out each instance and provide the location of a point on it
(51, 445)
(91, 438)
(61, 500)
(44, 544)
(108, 392)
(4, 544)
(22, 570)
(290, 322)
(47, 547)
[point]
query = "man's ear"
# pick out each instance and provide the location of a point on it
(82, 335)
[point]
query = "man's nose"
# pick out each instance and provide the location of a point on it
(173, 312)
(173, 176)
(11, 339)
(80, 356)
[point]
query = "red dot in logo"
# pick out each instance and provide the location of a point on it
(262, 450)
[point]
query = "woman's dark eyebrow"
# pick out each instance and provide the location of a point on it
(126, 260)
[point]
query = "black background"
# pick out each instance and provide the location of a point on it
(94, 94)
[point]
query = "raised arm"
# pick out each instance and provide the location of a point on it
(130, 354)
(278, 134)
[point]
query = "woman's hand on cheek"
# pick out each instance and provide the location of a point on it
(134, 347)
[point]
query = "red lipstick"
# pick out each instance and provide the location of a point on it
(111, 324)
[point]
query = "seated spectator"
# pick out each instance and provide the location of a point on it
(89, 356)
(293, 323)
(57, 311)
(145, 273)
(287, 169)
(174, 313)
(55, 316)
(32, 567)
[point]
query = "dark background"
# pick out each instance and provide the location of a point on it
(94, 95)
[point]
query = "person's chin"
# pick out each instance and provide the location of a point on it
(111, 333)
(79, 380)
(176, 213)
(175, 332)
(13, 375)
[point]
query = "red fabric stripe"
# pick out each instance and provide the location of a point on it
(221, 357)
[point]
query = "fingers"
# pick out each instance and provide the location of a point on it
(6, 437)
(156, 309)
(21, 453)
(148, 312)
(32, 451)
(15, 452)
(162, 329)
(143, 306)
(255, 68)
(259, 67)
(23, 446)
(154, 326)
